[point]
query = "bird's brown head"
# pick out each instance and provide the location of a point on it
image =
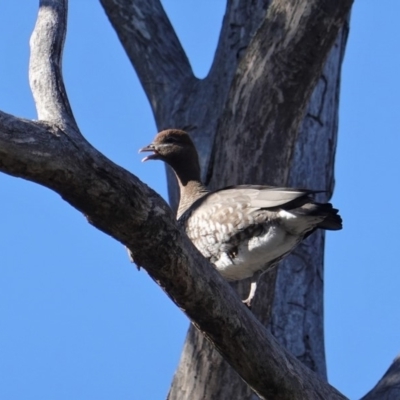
(174, 147)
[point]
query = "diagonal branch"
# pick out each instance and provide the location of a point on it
(45, 76)
(152, 46)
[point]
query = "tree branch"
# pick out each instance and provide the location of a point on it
(152, 46)
(45, 77)
(388, 388)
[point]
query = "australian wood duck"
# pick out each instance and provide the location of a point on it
(242, 229)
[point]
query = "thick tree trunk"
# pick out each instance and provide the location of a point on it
(290, 299)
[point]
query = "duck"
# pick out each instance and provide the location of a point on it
(242, 230)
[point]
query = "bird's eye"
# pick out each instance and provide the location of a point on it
(171, 139)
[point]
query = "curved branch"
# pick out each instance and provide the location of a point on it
(45, 76)
(152, 46)
(388, 388)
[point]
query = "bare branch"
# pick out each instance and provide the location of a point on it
(152, 46)
(388, 388)
(45, 76)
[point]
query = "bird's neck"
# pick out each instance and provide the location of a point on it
(191, 192)
(187, 172)
(191, 188)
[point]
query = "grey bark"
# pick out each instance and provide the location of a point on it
(53, 153)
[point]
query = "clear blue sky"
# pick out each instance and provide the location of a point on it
(77, 321)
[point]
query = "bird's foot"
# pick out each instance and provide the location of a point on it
(247, 302)
(253, 288)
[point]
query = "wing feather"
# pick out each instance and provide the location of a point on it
(257, 196)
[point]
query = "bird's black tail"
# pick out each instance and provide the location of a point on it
(333, 221)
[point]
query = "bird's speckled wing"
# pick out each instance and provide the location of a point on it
(219, 221)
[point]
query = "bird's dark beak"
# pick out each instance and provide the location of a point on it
(150, 147)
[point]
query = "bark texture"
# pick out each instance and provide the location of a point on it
(53, 153)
